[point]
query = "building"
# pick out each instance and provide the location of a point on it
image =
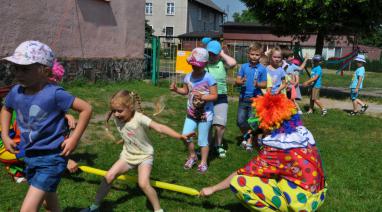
(86, 33)
(172, 18)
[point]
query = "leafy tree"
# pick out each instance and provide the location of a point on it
(326, 18)
(148, 31)
(374, 39)
(246, 16)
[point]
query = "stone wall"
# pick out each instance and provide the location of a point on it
(106, 69)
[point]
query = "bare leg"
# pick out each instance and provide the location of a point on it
(33, 200)
(219, 132)
(117, 169)
(205, 150)
(144, 171)
(191, 149)
(319, 104)
(358, 101)
(311, 105)
(51, 201)
(296, 104)
(355, 106)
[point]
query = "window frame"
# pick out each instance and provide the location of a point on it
(169, 6)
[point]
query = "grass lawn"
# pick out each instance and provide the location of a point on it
(350, 148)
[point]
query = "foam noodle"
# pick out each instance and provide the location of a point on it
(154, 183)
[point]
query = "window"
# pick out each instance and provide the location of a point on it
(200, 14)
(149, 8)
(170, 8)
(169, 31)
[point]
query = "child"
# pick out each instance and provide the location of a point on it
(252, 76)
(292, 68)
(356, 85)
(315, 83)
(218, 64)
(200, 87)
(41, 108)
(287, 173)
(276, 73)
(137, 149)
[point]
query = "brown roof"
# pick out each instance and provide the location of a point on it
(210, 4)
(211, 34)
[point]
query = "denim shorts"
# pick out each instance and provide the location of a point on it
(203, 130)
(44, 171)
(353, 94)
(244, 112)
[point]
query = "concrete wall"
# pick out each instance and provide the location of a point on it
(75, 28)
(159, 20)
(208, 20)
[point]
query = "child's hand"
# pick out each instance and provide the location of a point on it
(187, 136)
(72, 166)
(305, 84)
(356, 90)
(68, 146)
(208, 191)
(10, 145)
(71, 121)
(173, 87)
(197, 95)
(243, 80)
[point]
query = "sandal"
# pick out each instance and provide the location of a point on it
(221, 152)
(324, 112)
(364, 108)
(353, 113)
(202, 168)
(190, 162)
(249, 148)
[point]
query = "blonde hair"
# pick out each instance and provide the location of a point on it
(272, 51)
(256, 46)
(126, 99)
(264, 60)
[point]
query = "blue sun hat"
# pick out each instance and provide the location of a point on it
(214, 47)
(317, 58)
(360, 58)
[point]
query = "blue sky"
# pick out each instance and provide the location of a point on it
(234, 6)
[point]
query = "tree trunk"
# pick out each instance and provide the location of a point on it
(319, 42)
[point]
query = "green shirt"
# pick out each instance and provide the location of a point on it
(218, 71)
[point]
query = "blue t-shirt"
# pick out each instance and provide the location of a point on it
(197, 109)
(317, 71)
(252, 73)
(277, 75)
(359, 72)
(40, 117)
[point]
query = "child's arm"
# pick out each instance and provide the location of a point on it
(229, 61)
(310, 81)
(282, 86)
(182, 91)
(85, 111)
(240, 80)
(163, 129)
(6, 115)
(358, 84)
(218, 187)
(212, 96)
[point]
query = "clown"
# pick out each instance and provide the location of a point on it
(287, 174)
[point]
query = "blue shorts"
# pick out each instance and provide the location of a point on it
(353, 94)
(244, 112)
(203, 130)
(44, 172)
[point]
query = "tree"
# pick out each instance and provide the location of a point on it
(148, 31)
(374, 39)
(326, 18)
(246, 16)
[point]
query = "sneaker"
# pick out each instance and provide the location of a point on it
(299, 112)
(221, 151)
(190, 163)
(364, 108)
(89, 210)
(249, 148)
(202, 168)
(309, 112)
(353, 113)
(324, 112)
(243, 144)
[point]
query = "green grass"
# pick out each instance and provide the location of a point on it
(349, 146)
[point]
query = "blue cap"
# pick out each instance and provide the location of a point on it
(206, 40)
(317, 57)
(214, 47)
(360, 58)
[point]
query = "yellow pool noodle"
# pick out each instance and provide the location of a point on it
(154, 183)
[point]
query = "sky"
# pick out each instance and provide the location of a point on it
(233, 5)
